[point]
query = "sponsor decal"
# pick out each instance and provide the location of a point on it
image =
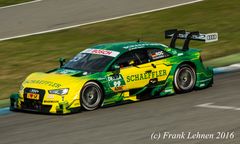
(116, 81)
(120, 88)
(33, 96)
(157, 55)
(66, 71)
(50, 101)
(101, 52)
(202, 85)
(180, 54)
(168, 90)
(43, 82)
(136, 46)
(34, 91)
(143, 76)
(50, 96)
(174, 52)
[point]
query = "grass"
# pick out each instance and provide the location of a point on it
(20, 57)
(224, 61)
(4, 103)
(11, 2)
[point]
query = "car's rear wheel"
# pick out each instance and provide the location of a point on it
(91, 96)
(184, 78)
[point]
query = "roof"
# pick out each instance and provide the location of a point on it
(123, 47)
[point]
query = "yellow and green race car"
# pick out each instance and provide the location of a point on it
(113, 73)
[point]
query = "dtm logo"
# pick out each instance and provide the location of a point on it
(34, 91)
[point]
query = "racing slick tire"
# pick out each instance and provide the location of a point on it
(91, 96)
(184, 78)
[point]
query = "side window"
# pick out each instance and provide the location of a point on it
(156, 54)
(141, 56)
(123, 61)
(136, 56)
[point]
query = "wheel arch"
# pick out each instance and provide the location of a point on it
(99, 83)
(192, 64)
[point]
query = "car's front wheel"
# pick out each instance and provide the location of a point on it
(91, 96)
(184, 78)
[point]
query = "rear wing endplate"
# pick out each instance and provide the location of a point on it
(188, 36)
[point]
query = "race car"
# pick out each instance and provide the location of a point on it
(112, 73)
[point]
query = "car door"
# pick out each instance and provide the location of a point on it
(159, 58)
(139, 68)
(135, 70)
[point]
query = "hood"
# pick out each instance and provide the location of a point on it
(55, 80)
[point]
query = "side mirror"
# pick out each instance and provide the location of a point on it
(116, 69)
(62, 61)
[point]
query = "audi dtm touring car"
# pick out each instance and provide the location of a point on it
(117, 72)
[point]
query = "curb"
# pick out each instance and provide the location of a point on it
(226, 69)
(4, 111)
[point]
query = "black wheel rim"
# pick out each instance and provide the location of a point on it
(185, 79)
(91, 96)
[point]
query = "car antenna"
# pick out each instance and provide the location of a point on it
(138, 40)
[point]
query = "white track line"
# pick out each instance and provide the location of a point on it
(104, 20)
(4, 7)
(210, 105)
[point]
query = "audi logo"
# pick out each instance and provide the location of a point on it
(211, 37)
(34, 91)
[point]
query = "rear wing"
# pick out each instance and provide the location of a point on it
(188, 36)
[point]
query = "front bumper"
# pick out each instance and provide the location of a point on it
(19, 104)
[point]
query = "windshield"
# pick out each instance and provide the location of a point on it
(89, 62)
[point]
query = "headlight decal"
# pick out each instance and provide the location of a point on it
(63, 91)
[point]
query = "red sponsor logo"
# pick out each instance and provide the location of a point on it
(102, 52)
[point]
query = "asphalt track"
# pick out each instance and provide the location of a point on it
(135, 123)
(54, 14)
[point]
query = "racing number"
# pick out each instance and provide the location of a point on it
(116, 82)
